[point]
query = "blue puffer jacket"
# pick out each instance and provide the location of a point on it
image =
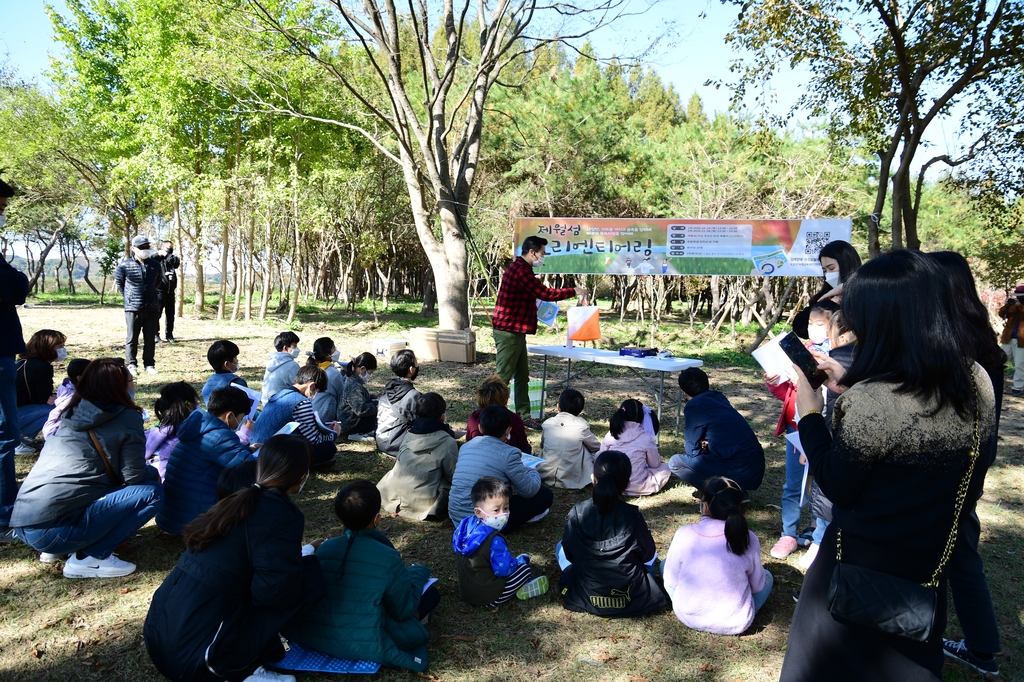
(276, 414)
(206, 447)
(220, 380)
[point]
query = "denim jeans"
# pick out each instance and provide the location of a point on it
(10, 436)
(32, 418)
(761, 597)
(791, 490)
(105, 524)
(820, 525)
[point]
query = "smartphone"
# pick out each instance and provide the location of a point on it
(793, 347)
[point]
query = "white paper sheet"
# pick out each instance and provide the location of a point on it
(773, 359)
(794, 438)
(254, 396)
(430, 581)
(531, 461)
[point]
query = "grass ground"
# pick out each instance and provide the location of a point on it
(57, 629)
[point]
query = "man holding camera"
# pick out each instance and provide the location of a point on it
(169, 262)
(1012, 337)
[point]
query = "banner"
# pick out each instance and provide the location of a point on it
(613, 246)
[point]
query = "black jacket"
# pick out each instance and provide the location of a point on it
(34, 382)
(13, 290)
(169, 264)
(139, 282)
(608, 577)
(224, 606)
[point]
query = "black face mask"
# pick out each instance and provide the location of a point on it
(170, 251)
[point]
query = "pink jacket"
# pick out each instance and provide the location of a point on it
(650, 474)
(712, 588)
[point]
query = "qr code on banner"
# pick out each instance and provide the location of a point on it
(815, 241)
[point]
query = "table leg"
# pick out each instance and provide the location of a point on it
(543, 390)
(679, 407)
(661, 394)
(568, 371)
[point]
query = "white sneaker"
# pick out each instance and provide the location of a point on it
(48, 558)
(808, 558)
(261, 674)
(91, 567)
(362, 437)
(540, 516)
(133, 370)
(151, 370)
(24, 450)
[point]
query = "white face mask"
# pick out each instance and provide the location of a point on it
(62, 354)
(817, 334)
(143, 254)
(295, 353)
(3, 219)
(336, 355)
(539, 263)
(496, 522)
(834, 279)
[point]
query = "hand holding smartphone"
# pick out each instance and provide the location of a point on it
(793, 347)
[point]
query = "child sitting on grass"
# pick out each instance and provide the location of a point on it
(281, 365)
(713, 571)
(494, 391)
(607, 553)
(223, 357)
(176, 402)
(568, 445)
(374, 603)
(65, 392)
(631, 433)
(357, 410)
(488, 573)
(418, 485)
(490, 455)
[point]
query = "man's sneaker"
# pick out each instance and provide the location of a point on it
(362, 437)
(48, 558)
(133, 370)
(796, 595)
(23, 449)
(261, 674)
(171, 339)
(806, 537)
(532, 423)
(151, 370)
(958, 650)
(157, 340)
(784, 547)
(1015, 392)
(538, 517)
(91, 567)
(7, 536)
(808, 558)
(534, 588)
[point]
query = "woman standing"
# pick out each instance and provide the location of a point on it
(839, 260)
(903, 443)
(243, 576)
(34, 382)
(91, 488)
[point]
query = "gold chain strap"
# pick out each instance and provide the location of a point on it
(961, 494)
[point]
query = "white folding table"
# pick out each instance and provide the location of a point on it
(611, 357)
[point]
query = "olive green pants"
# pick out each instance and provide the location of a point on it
(514, 363)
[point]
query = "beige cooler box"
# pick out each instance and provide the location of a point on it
(446, 345)
(388, 347)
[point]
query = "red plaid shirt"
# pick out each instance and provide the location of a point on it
(516, 307)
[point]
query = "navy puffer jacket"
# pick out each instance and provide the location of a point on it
(206, 447)
(139, 282)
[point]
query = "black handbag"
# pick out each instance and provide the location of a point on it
(872, 599)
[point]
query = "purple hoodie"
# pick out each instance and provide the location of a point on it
(161, 440)
(65, 392)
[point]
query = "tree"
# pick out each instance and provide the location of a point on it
(883, 71)
(431, 73)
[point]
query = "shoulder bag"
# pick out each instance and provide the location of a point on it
(882, 602)
(114, 478)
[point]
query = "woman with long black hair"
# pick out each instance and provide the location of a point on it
(905, 439)
(243, 576)
(839, 261)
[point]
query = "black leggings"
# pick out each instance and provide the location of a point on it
(522, 509)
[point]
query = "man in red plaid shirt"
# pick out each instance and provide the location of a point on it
(515, 316)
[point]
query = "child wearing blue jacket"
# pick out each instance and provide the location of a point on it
(207, 445)
(223, 358)
(489, 574)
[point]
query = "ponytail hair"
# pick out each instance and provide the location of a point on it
(631, 410)
(723, 500)
(322, 349)
(283, 462)
(367, 360)
(612, 471)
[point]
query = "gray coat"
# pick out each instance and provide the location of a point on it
(70, 475)
(327, 403)
(280, 374)
(488, 456)
(140, 283)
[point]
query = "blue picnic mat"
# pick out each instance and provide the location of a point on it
(307, 660)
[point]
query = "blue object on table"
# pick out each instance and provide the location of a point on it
(307, 660)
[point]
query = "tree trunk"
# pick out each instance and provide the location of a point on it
(429, 294)
(199, 302)
(225, 240)
(85, 274)
(180, 303)
(268, 268)
(41, 264)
